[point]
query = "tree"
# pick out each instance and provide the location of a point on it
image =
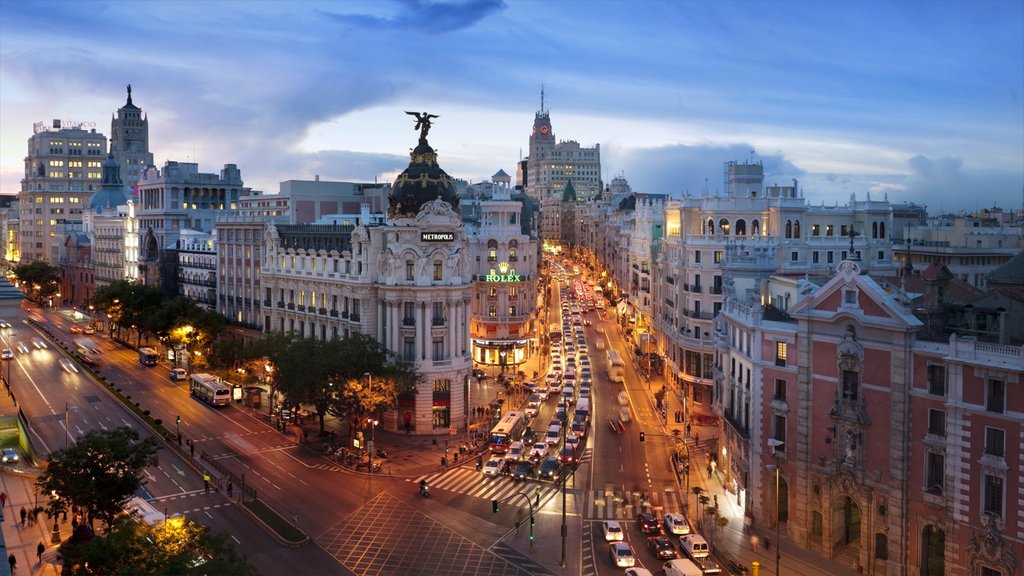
(174, 547)
(40, 278)
(98, 473)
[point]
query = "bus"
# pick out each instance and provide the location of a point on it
(148, 356)
(508, 430)
(209, 389)
(88, 350)
(616, 369)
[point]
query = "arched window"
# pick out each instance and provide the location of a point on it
(874, 229)
(755, 228)
(881, 230)
(711, 226)
(723, 225)
(492, 250)
(796, 229)
(741, 227)
(513, 249)
(789, 229)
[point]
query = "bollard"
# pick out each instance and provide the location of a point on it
(756, 568)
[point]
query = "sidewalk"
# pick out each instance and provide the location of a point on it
(19, 485)
(731, 540)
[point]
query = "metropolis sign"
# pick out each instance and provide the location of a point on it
(437, 236)
(503, 274)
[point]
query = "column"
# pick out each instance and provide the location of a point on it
(423, 330)
(453, 315)
(395, 322)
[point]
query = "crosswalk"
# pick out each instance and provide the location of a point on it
(466, 480)
(621, 505)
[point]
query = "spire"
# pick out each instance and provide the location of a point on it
(542, 98)
(569, 195)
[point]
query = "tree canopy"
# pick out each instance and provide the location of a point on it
(179, 321)
(98, 473)
(41, 278)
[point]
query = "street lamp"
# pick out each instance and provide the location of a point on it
(373, 429)
(774, 444)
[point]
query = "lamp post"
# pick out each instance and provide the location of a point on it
(373, 429)
(774, 444)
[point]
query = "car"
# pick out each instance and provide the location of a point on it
(554, 434)
(549, 468)
(5, 324)
(7, 354)
(516, 451)
(638, 572)
(493, 466)
(523, 471)
(622, 554)
(568, 454)
(647, 523)
(178, 374)
(662, 547)
(68, 366)
(89, 330)
(599, 329)
(9, 455)
(623, 398)
(675, 523)
(539, 450)
(529, 436)
(612, 530)
(38, 343)
(579, 428)
(75, 329)
(479, 374)
(22, 347)
(532, 408)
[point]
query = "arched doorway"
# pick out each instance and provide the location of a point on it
(846, 523)
(933, 551)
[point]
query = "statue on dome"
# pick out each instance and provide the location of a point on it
(422, 122)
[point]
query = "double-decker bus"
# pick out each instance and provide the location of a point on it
(616, 368)
(209, 389)
(508, 430)
(148, 356)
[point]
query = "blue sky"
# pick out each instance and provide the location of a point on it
(919, 100)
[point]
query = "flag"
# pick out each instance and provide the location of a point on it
(135, 190)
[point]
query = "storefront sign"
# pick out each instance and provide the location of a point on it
(503, 274)
(437, 236)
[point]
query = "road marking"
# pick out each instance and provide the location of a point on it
(178, 470)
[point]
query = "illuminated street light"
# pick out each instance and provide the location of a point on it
(774, 443)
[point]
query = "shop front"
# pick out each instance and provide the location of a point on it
(502, 352)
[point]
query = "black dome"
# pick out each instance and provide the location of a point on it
(422, 182)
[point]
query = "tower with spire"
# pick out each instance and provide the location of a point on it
(129, 141)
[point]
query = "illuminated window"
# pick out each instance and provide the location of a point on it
(437, 270)
(56, 162)
(780, 353)
(830, 230)
(492, 311)
(94, 175)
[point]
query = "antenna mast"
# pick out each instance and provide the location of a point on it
(542, 98)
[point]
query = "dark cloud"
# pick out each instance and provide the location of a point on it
(426, 16)
(679, 168)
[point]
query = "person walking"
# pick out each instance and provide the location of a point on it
(40, 548)
(3, 499)
(12, 561)
(687, 430)
(24, 515)
(753, 542)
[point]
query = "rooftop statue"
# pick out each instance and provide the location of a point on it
(422, 122)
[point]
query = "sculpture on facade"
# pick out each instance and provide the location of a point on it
(422, 122)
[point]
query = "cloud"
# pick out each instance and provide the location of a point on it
(425, 16)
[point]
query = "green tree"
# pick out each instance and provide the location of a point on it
(41, 279)
(98, 473)
(174, 547)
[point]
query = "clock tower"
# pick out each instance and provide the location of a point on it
(129, 141)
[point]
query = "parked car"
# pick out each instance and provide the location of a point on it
(7, 354)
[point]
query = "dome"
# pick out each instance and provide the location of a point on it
(422, 182)
(112, 193)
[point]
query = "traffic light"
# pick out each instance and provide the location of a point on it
(532, 521)
(494, 506)
(641, 436)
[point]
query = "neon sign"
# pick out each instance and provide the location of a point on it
(503, 274)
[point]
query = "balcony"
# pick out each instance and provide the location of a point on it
(696, 288)
(408, 321)
(715, 290)
(291, 306)
(334, 313)
(437, 322)
(266, 303)
(344, 315)
(354, 317)
(735, 425)
(321, 311)
(301, 307)
(280, 304)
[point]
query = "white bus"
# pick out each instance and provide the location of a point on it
(209, 389)
(616, 368)
(508, 430)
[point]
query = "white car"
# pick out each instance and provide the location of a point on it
(493, 466)
(515, 451)
(539, 451)
(675, 523)
(178, 374)
(7, 354)
(38, 343)
(622, 554)
(532, 408)
(612, 531)
(22, 347)
(68, 366)
(638, 572)
(554, 434)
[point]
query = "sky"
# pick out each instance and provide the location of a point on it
(917, 101)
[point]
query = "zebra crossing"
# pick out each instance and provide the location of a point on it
(466, 480)
(622, 505)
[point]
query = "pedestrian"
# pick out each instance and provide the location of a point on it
(12, 561)
(74, 523)
(746, 524)
(433, 446)
(687, 430)
(24, 515)
(696, 437)
(230, 488)
(192, 450)
(3, 499)
(444, 461)
(709, 470)
(40, 548)
(456, 457)
(753, 542)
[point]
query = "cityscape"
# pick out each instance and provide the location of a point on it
(435, 349)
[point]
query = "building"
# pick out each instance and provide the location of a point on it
(175, 198)
(62, 170)
(129, 141)
(551, 165)
(197, 267)
(408, 282)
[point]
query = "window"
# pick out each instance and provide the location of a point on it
(993, 494)
(814, 257)
(829, 257)
(409, 314)
(409, 349)
(512, 257)
(829, 230)
(779, 431)
(408, 270)
(437, 349)
(937, 422)
(696, 257)
(995, 442)
(816, 524)
(851, 384)
(780, 353)
(935, 478)
(850, 297)
(718, 256)
(492, 255)
(986, 571)
(780, 389)
(995, 396)
(511, 311)
(794, 256)
(492, 311)
(437, 270)
(937, 379)
(438, 313)
(815, 230)
(881, 546)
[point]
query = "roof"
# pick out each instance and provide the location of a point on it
(501, 174)
(569, 195)
(1010, 271)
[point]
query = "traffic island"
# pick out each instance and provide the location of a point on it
(286, 532)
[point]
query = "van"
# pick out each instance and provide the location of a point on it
(682, 567)
(582, 410)
(695, 546)
(515, 450)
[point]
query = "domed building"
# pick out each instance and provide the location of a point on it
(420, 183)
